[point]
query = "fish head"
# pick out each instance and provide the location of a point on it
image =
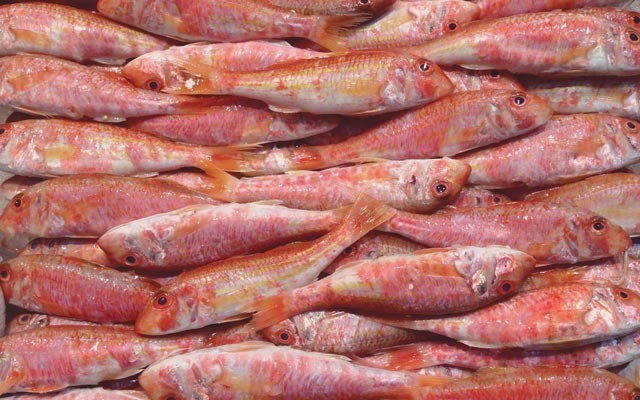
(427, 181)
(631, 131)
(25, 322)
(592, 236)
(371, 7)
(423, 81)
(22, 218)
(498, 80)
(132, 245)
(631, 268)
(151, 71)
(172, 309)
(454, 14)
(625, 50)
(618, 305)
(284, 333)
(510, 269)
(515, 113)
(7, 131)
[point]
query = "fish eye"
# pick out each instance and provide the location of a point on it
(152, 84)
(284, 337)
(24, 319)
(364, 2)
(452, 26)
(635, 396)
(497, 200)
(170, 398)
(34, 245)
(634, 19)
(131, 260)
(633, 36)
(18, 201)
(425, 66)
(162, 300)
(2, 130)
(441, 189)
(494, 73)
(5, 274)
(506, 287)
(623, 294)
(599, 225)
(519, 100)
(348, 250)
(631, 125)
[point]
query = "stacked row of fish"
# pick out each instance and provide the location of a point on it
(374, 208)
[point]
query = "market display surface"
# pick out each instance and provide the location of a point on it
(329, 199)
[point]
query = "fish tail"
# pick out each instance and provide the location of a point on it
(365, 215)
(330, 32)
(405, 358)
(271, 311)
(223, 184)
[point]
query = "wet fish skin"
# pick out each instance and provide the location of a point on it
(256, 369)
(70, 33)
(566, 149)
(452, 125)
(555, 317)
(614, 196)
(85, 355)
(229, 289)
(533, 46)
(84, 249)
(85, 394)
(477, 197)
(337, 332)
(468, 79)
(56, 147)
(210, 233)
(504, 8)
(44, 85)
(333, 7)
(57, 285)
(551, 233)
(87, 206)
(429, 282)
(16, 184)
(25, 322)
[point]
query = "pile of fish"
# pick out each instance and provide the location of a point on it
(334, 199)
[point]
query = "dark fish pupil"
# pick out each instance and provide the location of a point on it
(424, 67)
(631, 125)
(624, 295)
(284, 336)
(633, 37)
(1, 131)
(496, 200)
(441, 188)
(4, 273)
(506, 287)
(153, 85)
(364, 1)
(24, 319)
(171, 398)
(519, 100)
(453, 26)
(636, 20)
(348, 250)
(598, 226)
(494, 74)
(17, 202)
(162, 300)
(130, 259)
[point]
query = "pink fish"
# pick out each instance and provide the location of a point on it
(84, 249)
(468, 79)
(566, 149)
(452, 125)
(338, 333)
(476, 197)
(17, 184)
(505, 8)
(229, 289)
(88, 206)
(70, 33)
(551, 233)
(332, 7)
(25, 322)
(58, 285)
(411, 185)
(586, 43)
(614, 196)
(85, 394)
(49, 86)
(555, 317)
(262, 370)
(428, 282)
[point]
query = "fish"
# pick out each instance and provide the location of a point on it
(566, 149)
(70, 33)
(229, 289)
(583, 43)
(611, 95)
(84, 355)
(410, 185)
(540, 383)
(551, 233)
(225, 20)
(157, 71)
(56, 147)
(48, 86)
(82, 248)
(27, 321)
(427, 282)
(477, 197)
(262, 370)
(614, 196)
(631, 372)
(455, 124)
(234, 124)
(333, 7)
(57, 285)
(193, 236)
(15, 185)
(466, 80)
(606, 354)
(358, 83)
(623, 271)
(87, 206)
(555, 317)
(85, 394)
(410, 23)
(372, 246)
(505, 8)
(445, 371)
(338, 332)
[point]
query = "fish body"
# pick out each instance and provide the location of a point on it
(549, 318)
(70, 33)
(338, 332)
(25, 322)
(452, 125)
(505, 8)
(59, 285)
(85, 394)
(477, 197)
(55, 147)
(551, 233)
(333, 7)
(193, 236)
(468, 79)
(429, 282)
(566, 149)
(411, 185)
(82, 355)
(84, 249)
(88, 206)
(576, 43)
(614, 196)
(49, 86)
(259, 370)
(230, 288)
